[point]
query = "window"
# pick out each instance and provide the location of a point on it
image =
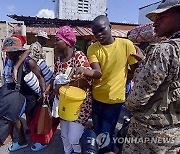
(83, 6)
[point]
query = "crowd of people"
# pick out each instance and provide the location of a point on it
(113, 75)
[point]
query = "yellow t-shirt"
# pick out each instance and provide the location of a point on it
(114, 60)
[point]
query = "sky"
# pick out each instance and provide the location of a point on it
(126, 11)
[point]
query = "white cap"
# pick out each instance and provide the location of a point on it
(42, 34)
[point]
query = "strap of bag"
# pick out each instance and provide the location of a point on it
(18, 84)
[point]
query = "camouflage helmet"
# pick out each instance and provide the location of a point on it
(12, 44)
(164, 6)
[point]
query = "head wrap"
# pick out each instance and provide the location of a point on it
(12, 44)
(21, 37)
(67, 35)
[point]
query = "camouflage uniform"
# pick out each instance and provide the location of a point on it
(155, 101)
(37, 51)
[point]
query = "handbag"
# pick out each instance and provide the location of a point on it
(45, 119)
(41, 138)
(12, 102)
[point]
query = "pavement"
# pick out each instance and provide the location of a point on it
(55, 146)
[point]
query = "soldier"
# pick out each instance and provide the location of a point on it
(155, 97)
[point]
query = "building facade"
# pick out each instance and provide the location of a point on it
(79, 9)
(145, 10)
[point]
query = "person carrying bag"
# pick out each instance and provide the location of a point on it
(43, 125)
(12, 102)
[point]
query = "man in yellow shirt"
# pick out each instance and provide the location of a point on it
(109, 58)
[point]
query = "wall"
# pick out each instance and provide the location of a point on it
(68, 9)
(145, 10)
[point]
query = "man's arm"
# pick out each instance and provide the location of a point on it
(18, 64)
(133, 68)
(95, 73)
(138, 55)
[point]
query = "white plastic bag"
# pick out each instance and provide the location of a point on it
(59, 79)
(55, 107)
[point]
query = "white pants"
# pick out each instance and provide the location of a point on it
(71, 133)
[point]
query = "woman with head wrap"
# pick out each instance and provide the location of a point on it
(67, 56)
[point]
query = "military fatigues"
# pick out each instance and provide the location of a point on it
(155, 102)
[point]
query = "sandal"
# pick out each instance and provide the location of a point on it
(38, 146)
(16, 146)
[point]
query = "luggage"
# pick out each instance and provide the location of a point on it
(12, 102)
(40, 138)
(45, 119)
(143, 33)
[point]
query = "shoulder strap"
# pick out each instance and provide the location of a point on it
(18, 84)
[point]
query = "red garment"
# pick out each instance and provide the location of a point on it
(22, 38)
(78, 60)
(12, 44)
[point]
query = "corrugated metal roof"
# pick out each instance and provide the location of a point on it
(79, 31)
(119, 33)
(29, 20)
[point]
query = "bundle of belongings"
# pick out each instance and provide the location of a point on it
(143, 33)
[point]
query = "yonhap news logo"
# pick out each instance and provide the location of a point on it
(103, 140)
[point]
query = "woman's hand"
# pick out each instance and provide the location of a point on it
(44, 97)
(56, 90)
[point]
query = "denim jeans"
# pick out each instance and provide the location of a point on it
(105, 117)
